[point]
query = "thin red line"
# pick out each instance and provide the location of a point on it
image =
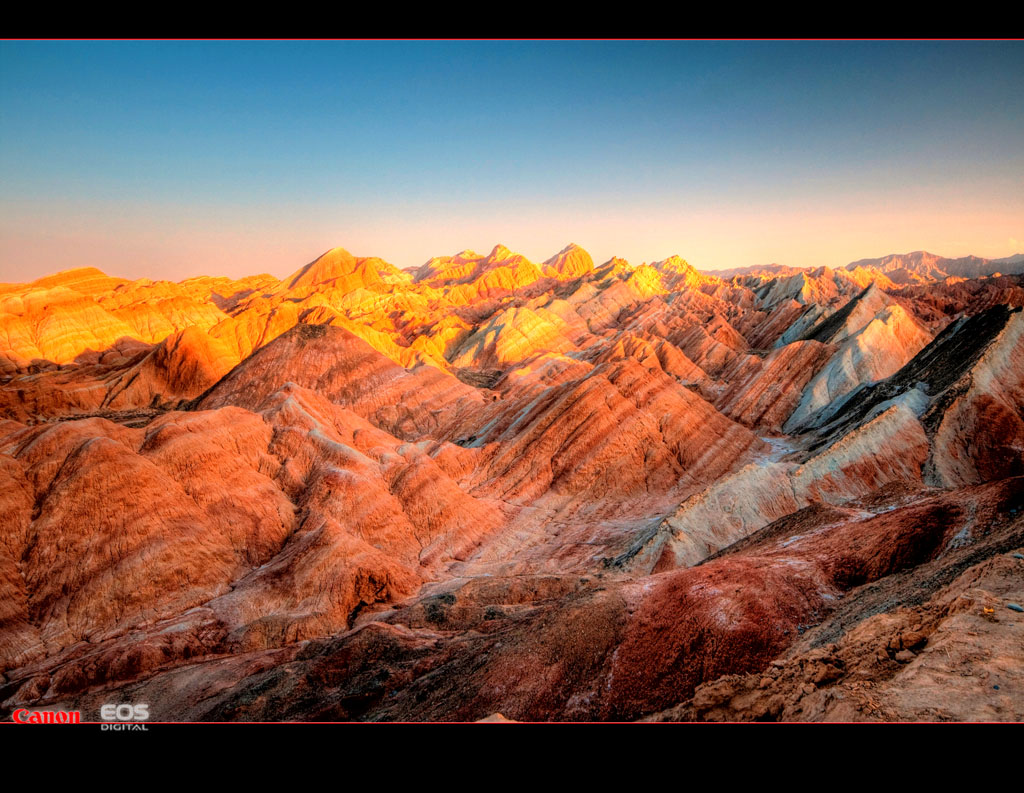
(768, 39)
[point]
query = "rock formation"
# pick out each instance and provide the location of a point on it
(492, 489)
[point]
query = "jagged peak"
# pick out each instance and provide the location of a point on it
(336, 253)
(572, 246)
(327, 266)
(499, 253)
(674, 263)
(572, 261)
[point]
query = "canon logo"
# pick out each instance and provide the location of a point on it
(22, 716)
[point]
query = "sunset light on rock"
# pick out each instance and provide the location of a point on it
(654, 381)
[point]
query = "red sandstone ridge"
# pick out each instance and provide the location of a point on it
(492, 488)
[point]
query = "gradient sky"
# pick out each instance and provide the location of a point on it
(172, 159)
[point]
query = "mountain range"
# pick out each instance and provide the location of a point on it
(492, 488)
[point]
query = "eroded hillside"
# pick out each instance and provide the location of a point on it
(554, 490)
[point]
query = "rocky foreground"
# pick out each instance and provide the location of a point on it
(491, 486)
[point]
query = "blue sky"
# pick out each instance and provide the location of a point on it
(169, 159)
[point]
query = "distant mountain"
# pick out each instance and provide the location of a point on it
(768, 270)
(905, 268)
(901, 268)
